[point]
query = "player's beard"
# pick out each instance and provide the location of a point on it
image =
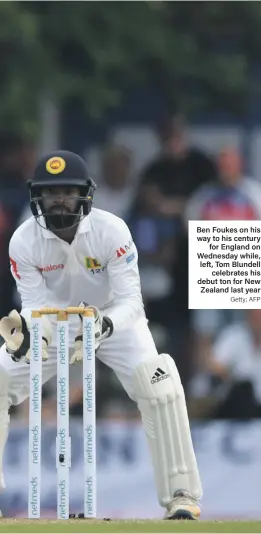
(61, 221)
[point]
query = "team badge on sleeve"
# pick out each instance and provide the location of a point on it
(55, 165)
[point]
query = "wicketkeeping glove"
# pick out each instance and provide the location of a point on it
(15, 330)
(103, 329)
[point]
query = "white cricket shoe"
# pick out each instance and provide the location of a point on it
(183, 506)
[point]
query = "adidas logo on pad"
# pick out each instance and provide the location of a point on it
(159, 375)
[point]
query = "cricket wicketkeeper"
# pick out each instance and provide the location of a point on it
(67, 253)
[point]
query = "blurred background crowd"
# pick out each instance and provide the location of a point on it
(168, 121)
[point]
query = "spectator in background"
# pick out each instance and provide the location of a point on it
(235, 364)
(179, 170)
(115, 189)
(154, 236)
(234, 196)
(16, 162)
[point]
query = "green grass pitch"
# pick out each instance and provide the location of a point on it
(89, 526)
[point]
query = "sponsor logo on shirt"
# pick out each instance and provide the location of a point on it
(120, 252)
(123, 250)
(130, 258)
(48, 268)
(14, 268)
(93, 265)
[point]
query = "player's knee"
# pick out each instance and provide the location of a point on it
(4, 381)
(4, 394)
(8, 393)
(4, 386)
(157, 378)
(13, 382)
(3, 353)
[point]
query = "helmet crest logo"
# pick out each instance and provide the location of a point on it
(55, 165)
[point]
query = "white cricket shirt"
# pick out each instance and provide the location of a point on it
(99, 267)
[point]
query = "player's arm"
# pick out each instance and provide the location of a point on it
(122, 267)
(29, 280)
(15, 329)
